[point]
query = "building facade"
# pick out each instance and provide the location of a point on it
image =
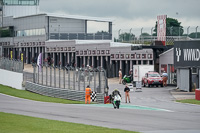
(65, 39)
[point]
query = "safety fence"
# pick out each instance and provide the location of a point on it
(11, 65)
(61, 93)
(69, 77)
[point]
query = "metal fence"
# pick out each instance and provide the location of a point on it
(61, 93)
(69, 78)
(11, 65)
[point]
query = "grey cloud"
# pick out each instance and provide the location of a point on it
(132, 9)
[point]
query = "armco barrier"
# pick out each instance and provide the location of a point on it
(60, 93)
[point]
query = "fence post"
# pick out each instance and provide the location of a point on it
(34, 73)
(38, 74)
(79, 76)
(68, 78)
(55, 76)
(84, 80)
(74, 71)
(64, 76)
(99, 81)
(42, 73)
(95, 81)
(59, 77)
(46, 75)
(50, 76)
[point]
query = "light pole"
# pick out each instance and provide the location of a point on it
(196, 31)
(119, 34)
(141, 34)
(130, 35)
(58, 32)
(188, 30)
(152, 33)
(179, 31)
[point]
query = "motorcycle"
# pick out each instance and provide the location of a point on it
(126, 79)
(116, 101)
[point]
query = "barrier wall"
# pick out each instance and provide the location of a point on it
(11, 79)
(60, 93)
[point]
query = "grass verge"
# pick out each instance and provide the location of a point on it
(11, 123)
(33, 96)
(190, 101)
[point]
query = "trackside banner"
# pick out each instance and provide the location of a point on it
(187, 54)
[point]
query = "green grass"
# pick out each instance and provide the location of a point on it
(33, 96)
(11, 123)
(191, 101)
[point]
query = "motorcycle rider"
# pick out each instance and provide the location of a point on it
(112, 96)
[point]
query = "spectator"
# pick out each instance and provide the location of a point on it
(165, 77)
(126, 90)
(120, 76)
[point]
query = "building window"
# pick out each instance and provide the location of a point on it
(117, 56)
(163, 68)
(127, 56)
(102, 51)
(89, 52)
(85, 52)
(94, 52)
(98, 51)
(132, 56)
(149, 56)
(112, 56)
(143, 56)
(150, 62)
(31, 32)
(69, 48)
(194, 70)
(138, 56)
(77, 52)
(144, 62)
(107, 51)
(81, 52)
(122, 56)
(139, 62)
(73, 48)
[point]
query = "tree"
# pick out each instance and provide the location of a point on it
(124, 37)
(173, 28)
(145, 36)
(194, 35)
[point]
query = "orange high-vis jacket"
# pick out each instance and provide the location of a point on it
(88, 91)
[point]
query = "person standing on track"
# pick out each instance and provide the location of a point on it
(88, 92)
(120, 76)
(126, 90)
(165, 78)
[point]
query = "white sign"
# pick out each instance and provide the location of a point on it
(138, 85)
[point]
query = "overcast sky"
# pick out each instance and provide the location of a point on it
(127, 14)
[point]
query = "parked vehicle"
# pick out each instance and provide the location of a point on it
(126, 79)
(139, 71)
(151, 79)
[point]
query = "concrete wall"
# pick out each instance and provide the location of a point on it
(11, 79)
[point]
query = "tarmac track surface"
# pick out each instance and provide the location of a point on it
(147, 114)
